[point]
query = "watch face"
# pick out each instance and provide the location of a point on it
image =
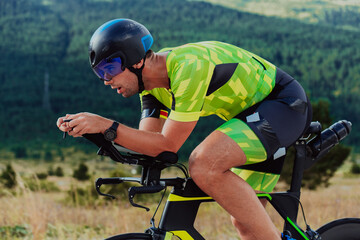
(110, 135)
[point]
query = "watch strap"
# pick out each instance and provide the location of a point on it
(115, 125)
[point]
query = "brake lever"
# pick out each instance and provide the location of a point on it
(147, 189)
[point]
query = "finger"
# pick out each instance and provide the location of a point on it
(76, 131)
(65, 128)
(82, 132)
(76, 121)
(62, 125)
(71, 132)
(60, 121)
(74, 134)
(71, 116)
(67, 116)
(65, 125)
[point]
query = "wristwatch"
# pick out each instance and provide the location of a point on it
(110, 133)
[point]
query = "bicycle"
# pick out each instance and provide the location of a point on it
(178, 216)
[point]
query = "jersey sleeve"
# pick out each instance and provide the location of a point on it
(189, 81)
(152, 107)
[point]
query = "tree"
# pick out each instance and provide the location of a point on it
(20, 152)
(321, 172)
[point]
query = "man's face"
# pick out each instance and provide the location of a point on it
(126, 83)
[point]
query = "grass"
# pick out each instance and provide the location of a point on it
(25, 214)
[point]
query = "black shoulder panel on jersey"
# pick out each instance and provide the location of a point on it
(150, 102)
(222, 73)
(151, 107)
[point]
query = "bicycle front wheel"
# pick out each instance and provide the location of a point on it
(131, 236)
(342, 229)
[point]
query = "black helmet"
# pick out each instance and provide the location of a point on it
(124, 38)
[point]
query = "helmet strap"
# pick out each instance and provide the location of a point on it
(138, 73)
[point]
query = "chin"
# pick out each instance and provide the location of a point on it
(127, 95)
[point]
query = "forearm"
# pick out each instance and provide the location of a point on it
(146, 142)
(152, 140)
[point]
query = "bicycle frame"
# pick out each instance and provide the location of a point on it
(181, 209)
(183, 204)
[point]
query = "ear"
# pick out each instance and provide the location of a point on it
(139, 64)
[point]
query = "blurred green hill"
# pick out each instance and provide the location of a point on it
(44, 70)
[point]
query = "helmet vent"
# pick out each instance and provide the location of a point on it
(147, 41)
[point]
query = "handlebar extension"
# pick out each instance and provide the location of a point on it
(115, 180)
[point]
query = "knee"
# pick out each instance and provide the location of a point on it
(196, 166)
(201, 169)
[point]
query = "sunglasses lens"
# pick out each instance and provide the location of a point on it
(108, 68)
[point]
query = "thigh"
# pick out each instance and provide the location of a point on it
(218, 152)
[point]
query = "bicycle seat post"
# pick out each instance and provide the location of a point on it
(298, 168)
(297, 175)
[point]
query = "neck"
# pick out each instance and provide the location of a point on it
(155, 73)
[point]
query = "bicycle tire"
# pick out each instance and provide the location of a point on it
(341, 229)
(131, 236)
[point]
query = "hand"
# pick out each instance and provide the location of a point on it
(82, 123)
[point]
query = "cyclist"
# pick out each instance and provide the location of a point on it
(265, 111)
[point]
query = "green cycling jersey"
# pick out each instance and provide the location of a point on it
(213, 78)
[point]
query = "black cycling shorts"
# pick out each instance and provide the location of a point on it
(277, 121)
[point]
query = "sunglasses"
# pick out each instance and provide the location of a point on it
(108, 68)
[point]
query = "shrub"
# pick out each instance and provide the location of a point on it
(82, 172)
(18, 231)
(34, 184)
(59, 172)
(8, 177)
(41, 175)
(51, 171)
(355, 168)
